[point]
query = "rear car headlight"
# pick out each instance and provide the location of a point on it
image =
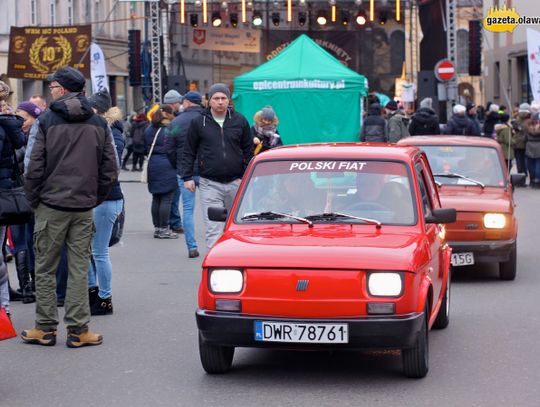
(385, 284)
(494, 221)
(226, 281)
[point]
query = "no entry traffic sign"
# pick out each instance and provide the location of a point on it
(445, 70)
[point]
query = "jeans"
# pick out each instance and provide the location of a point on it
(534, 170)
(188, 206)
(161, 209)
(52, 229)
(175, 220)
(216, 194)
(100, 270)
(21, 236)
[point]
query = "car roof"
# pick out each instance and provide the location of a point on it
(449, 140)
(341, 150)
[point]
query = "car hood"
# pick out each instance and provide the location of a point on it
(320, 247)
(475, 199)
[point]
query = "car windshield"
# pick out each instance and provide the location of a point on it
(465, 165)
(328, 191)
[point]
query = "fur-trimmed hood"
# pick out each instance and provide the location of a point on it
(114, 114)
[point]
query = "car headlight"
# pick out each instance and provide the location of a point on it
(494, 221)
(226, 281)
(385, 284)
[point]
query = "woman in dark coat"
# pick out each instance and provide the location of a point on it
(11, 138)
(162, 182)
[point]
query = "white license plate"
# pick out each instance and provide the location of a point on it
(462, 259)
(300, 332)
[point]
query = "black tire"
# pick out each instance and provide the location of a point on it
(508, 269)
(215, 358)
(443, 316)
(416, 359)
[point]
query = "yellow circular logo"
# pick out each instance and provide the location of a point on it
(47, 54)
(18, 44)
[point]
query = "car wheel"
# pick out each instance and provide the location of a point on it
(416, 359)
(443, 317)
(215, 358)
(507, 269)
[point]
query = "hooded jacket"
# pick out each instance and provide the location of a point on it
(492, 118)
(223, 153)
(460, 125)
(505, 139)
(374, 127)
(11, 138)
(398, 126)
(424, 122)
(73, 163)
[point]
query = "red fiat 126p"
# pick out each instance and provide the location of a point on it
(329, 246)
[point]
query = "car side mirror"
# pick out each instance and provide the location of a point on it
(442, 215)
(517, 180)
(217, 214)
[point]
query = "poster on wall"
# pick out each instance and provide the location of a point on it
(35, 52)
(225, 39)
(533, 52)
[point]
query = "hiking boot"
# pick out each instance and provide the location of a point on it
(37, 336)
(167, 234)
(193, 253)
(87, 338)
(103, 306)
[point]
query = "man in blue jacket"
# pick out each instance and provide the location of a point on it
(220, 139)
(176, 139)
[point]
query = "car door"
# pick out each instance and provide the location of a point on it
(432, 230)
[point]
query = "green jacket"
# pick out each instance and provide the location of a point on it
(506, 140)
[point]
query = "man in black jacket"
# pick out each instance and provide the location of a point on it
(425, 121)
(72, 168)
(220, 139)
(176, 139)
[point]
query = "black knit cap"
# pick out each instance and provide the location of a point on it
(101, 101)
(70, 78)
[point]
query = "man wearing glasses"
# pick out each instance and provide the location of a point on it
(72, 167)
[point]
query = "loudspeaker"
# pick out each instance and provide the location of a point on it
(427, 88)
(475, 48)
(176, 82)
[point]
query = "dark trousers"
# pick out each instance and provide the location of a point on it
(521, 160)
(137, 158)
(161, 209)
(129, 151)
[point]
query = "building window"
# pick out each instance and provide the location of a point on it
(53, 12)
(462, 51)
(33, 12)
(397, 51)
(497, 79)
(70, 12)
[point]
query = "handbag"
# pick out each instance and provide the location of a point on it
(144, 173)
(118, 228)
(14, 207)
(6, 327)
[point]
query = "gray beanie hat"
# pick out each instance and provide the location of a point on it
(219, 87)
(171, 97)
(267, 113)
(101, 101)
(427, 102)
(524, 108)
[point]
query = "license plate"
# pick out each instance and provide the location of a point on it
(300, 332)
(462, 259)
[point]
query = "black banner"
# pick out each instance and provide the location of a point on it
(373, 53)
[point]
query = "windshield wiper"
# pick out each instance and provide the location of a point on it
(336, 215)
(275, 215)
(456, 175)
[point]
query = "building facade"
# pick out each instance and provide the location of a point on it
(506, 69)
(110, 21)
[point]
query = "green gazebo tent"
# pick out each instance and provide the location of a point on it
(316, 97)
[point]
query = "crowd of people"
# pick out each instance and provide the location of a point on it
(518, 131)
(72, 149)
